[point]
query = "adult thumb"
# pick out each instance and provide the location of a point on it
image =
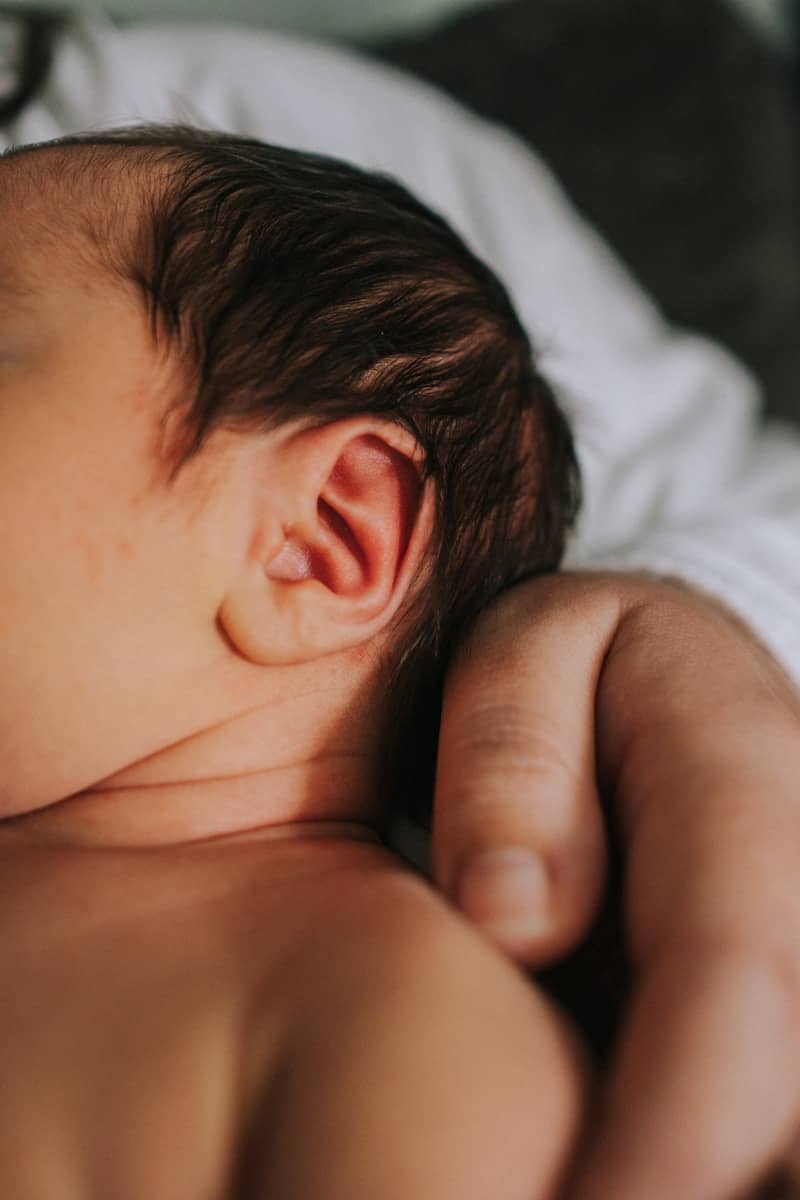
(518, 841)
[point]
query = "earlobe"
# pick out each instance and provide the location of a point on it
(342, 567)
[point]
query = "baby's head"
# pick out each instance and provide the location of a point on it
(270, 437)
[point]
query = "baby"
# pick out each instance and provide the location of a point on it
(270, 437)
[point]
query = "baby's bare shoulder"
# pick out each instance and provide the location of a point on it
(416, 1061)
(261, 1000)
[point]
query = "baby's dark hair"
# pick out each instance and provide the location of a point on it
(298, 286)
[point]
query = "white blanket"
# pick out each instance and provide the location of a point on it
(678, 477)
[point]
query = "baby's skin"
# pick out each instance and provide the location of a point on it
(217, 982)
(292, 1016)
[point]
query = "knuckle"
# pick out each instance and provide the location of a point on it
(504, 739)
(766, 964)
(777, 961)
(516, 796)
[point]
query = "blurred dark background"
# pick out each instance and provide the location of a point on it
(675, 127)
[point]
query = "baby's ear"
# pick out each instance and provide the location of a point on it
(345, 520)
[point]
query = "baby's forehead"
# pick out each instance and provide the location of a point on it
(65, 210)
(63, 163)
(41, 176)
(67, 217)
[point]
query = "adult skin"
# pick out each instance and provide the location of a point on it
(658, 698)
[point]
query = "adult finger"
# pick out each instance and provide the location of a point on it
(518, 839)
(704, 1097)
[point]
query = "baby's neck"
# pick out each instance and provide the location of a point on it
(181, 813)
(240, 778)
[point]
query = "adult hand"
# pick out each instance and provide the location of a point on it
(664, 702)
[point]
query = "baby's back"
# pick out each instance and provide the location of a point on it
(293, 1019)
